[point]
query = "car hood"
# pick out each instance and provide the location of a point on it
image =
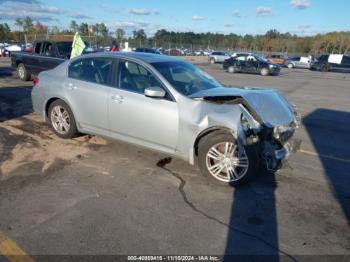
(269, 105)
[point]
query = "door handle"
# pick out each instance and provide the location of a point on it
(117, 98)
(71, 86)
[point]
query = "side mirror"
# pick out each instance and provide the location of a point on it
(155, 92)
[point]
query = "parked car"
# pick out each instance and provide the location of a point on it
(277, 58)
(44, 56)
(174, 52)
(218, 57)
(206, 52)
(148, 50)
(241, 54)
(333, 62)
(298, 62)
(6, 49)
(251, 64)
(169, 105)
(28, 47)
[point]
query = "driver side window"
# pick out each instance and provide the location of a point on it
(135, 78)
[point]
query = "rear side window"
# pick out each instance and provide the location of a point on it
(296, 59)
(241, 58)
(346, 60)
(323, 58)
(37, 48)
(95, 70)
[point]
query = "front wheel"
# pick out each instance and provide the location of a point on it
(212, 61)
(223, 162)
(290, 66)
(62, 120)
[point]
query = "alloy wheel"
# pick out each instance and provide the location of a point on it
(60, 119)
(226, 162)
(21, 72)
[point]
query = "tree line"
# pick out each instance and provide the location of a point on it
(271, 41)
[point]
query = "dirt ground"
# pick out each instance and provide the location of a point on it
(94, 196)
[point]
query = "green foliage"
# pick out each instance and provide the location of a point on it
(4, 31)
(120, 34)
(271, 41)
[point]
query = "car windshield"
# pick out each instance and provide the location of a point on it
(185, 78)
(260, 59)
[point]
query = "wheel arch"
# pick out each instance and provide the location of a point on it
(19, 62)
(53, 99)
(208, 131)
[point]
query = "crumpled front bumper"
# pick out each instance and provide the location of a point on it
(273, 161)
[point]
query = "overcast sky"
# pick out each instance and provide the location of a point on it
(303, 17)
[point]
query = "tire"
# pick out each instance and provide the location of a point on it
(324, 68)
(67, 117)
(242, 175)
(212, 61)
(22, 72)
(232, 69)
(264, 72)
(290, 66)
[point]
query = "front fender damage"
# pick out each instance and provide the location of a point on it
(273, 142)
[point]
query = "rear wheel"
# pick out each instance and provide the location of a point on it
(223, 162)
(62, 119)
(290, 66)
(324, 68)
(22, 72)
(264, 72)
(232, 69)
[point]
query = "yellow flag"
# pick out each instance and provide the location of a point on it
(78, 46)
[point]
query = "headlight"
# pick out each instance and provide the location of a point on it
(283, 133)
(271, 66)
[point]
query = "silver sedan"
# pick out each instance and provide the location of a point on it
(168, 105)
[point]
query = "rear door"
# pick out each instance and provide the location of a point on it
(252, 65)
(241, 63)
(87, 88)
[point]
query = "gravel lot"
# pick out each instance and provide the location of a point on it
(94, 196)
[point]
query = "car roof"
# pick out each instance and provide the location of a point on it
(145, 57)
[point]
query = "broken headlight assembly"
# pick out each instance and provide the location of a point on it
(283, 133)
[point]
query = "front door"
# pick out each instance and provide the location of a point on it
(133, 117)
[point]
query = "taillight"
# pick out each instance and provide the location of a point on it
(35, 81)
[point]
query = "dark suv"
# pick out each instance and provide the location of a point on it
(325, 63)
(148, 50)
(251, 64)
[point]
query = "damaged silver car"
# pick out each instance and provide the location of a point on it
(169, 105)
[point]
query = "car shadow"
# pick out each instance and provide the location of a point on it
(329, 132)
(6, 71)
(15, 102)
(253, 234)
